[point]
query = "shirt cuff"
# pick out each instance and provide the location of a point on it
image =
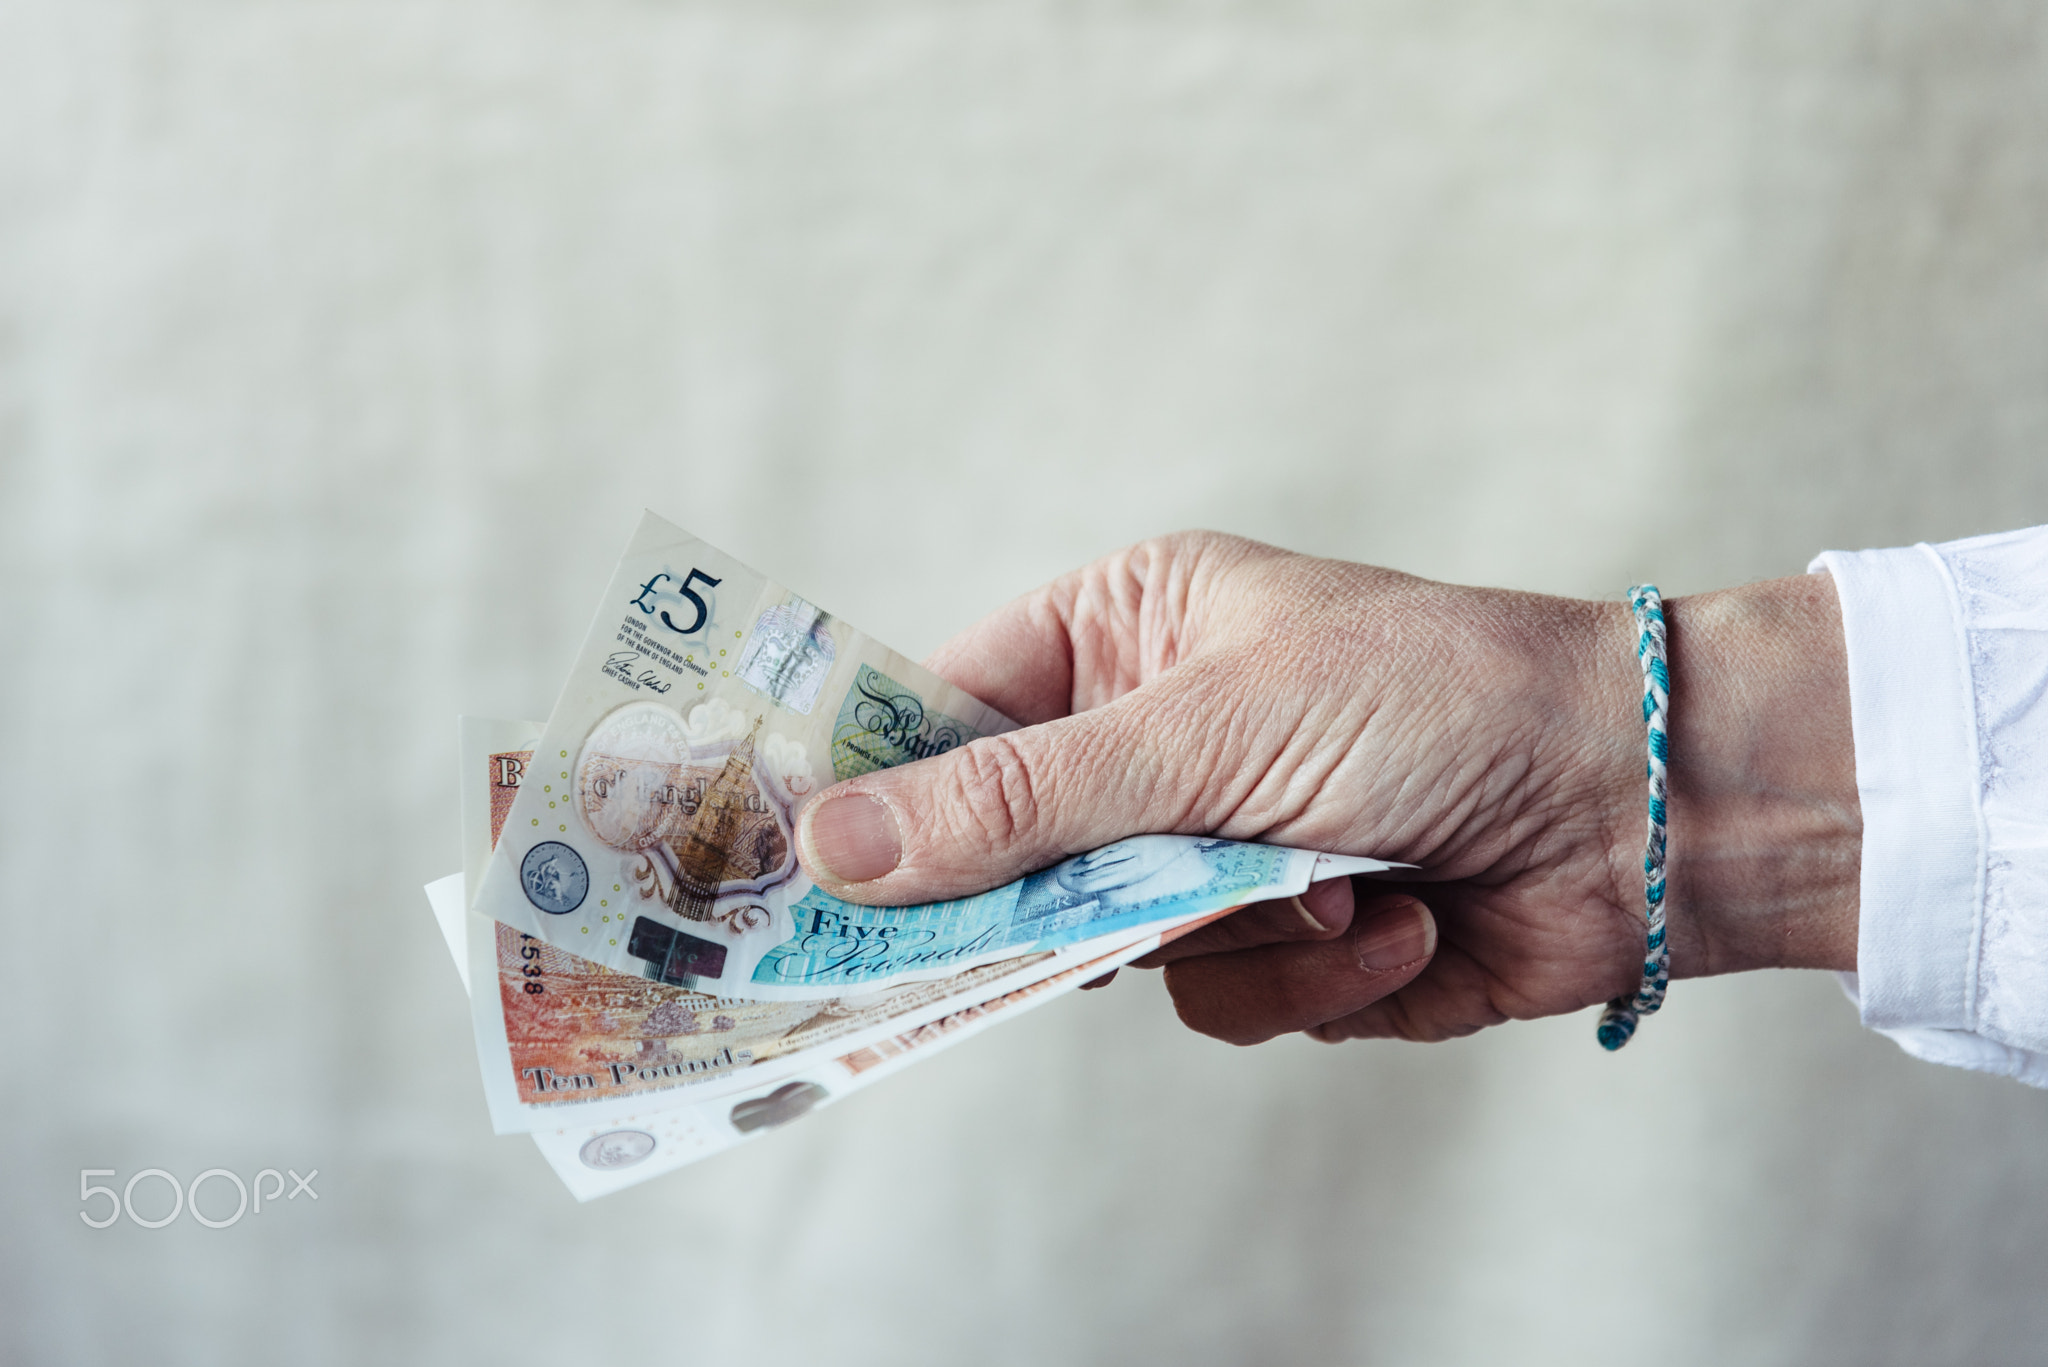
(1913, 714)
(1957, 1048)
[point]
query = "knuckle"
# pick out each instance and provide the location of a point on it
(1382, 1020)
(996, 793)
(1333, 1032)
(1401, 1023)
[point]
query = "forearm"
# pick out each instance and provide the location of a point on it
(1765, 826)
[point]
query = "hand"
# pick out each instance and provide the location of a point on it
(1205, 684)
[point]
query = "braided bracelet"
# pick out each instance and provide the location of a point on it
(1618, 1021)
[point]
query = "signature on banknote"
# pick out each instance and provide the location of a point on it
(619, 664)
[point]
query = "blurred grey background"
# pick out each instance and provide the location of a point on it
(342, 343)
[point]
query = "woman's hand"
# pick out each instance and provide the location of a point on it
(1204, 684)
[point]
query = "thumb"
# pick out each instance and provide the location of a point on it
(989, 812)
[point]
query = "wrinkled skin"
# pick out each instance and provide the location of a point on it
(1201, 683)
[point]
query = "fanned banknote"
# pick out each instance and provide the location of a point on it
(653, 976)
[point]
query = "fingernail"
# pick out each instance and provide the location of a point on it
(1397, 936)
(1306, 915)
(854, 839)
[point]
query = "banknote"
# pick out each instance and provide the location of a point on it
(605, 1147)
(607, 1153)
(1148, 880)
(653, 833)
(562, 1035)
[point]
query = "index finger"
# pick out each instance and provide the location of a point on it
(1019, 659)
(1084, 640)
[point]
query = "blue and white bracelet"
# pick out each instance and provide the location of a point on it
(1618, 1021)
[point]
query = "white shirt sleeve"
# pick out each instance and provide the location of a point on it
(1948, 698)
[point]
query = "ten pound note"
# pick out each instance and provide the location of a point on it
(654, 975)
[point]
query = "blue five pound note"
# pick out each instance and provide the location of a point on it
(1120, 887)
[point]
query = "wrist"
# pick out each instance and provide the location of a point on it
(1766, 832)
